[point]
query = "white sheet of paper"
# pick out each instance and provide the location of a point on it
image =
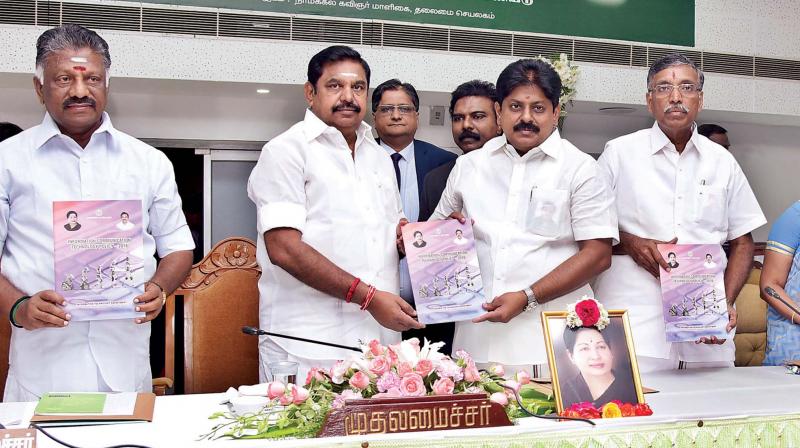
(122, 403)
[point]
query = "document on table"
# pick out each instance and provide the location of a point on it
(87, 403)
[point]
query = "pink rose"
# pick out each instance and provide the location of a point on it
(404, 368)
(314, 374)
(285, 400)
(392, 356)
(412, 386)
(499, 397)
(512, 384)
(424, 367)
(391, 393)
(497, 369)
(299, 395)
(275, 389)
(471, 373)
(379, 365)
(443, 386)
(359, 380)
(375, 347)
(523, 377)
(347, 394)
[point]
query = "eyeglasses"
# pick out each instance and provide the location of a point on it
(683, 89)
(388, 109)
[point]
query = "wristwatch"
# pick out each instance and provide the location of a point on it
(532, 302)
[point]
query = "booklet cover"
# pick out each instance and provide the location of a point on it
(98, 257)
(693, 291)
(444, 270)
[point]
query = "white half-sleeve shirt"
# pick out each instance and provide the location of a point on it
(530, 212)
(700, 196)
(347, 209)
(40, 166)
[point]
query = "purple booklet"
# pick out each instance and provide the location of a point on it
(98, 257)
(444, 270)
(693, 291)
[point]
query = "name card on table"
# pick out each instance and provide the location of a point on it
(18, 438)
(406, 414)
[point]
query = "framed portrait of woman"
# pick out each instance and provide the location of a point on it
(592, 365)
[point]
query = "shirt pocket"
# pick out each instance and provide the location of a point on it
(710, 207)
(548, 212)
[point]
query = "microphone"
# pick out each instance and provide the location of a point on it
(253, 331)
(771, 292)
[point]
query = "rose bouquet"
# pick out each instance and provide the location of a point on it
(612, 409)
(407, 369)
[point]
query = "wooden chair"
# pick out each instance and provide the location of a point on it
(219, 296)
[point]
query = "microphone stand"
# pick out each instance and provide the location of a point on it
(259, 332)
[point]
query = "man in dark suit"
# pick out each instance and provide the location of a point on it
(395, 108)
(474, 122)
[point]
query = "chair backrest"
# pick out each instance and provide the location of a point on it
(219, 296)
(751, 323)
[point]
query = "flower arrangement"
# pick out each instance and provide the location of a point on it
(612, 409)
(407, 369)
(568, 72)
(587, 312)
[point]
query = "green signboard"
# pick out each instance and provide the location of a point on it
(655, 21)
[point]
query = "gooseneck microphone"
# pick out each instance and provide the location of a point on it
(259, 332)
(772, 293)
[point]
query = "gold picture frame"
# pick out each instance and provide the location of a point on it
(618, 328)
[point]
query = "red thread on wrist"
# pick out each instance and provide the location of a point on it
(368, 298)
(349, 297)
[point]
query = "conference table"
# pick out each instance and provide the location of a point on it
(746, 406)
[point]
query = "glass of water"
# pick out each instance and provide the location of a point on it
(283, 371)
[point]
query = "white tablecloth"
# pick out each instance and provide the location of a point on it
(685, 395)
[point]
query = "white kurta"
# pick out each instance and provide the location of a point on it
(346, 209)
(700, 196)
(40, 166)
(529, 213)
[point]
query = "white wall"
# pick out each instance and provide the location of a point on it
(770, 157)
(752, 27)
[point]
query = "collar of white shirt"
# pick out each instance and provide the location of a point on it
(49, 129)
(659, 140)
(406, 153)
(550, 147)
(314, 128)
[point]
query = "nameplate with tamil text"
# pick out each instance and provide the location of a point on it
(18, 438)
(406, 414)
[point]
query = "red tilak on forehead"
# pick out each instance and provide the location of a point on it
(79, 68)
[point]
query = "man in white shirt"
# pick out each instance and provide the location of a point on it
(674, 185)
(508, 188)
(76, 154)
(124, 222)
(328, 208)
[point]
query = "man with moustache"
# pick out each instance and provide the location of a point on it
(473, 123)
(328, 209)
(673, 185)
(509, 188)
(76, 154)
